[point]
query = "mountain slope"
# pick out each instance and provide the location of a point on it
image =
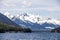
(6, 25)
(35, 22)
(4, 19)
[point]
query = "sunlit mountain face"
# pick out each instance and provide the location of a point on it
(35, 22)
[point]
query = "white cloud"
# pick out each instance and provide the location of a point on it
(8, 3)
(39, 8)
(14, 3)
(43, 8)
(50, 8)
(49, 5)
(26, 3)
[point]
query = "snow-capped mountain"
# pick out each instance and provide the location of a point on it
(34, 22)
(5, 20)
(37, 19)
(8, 15)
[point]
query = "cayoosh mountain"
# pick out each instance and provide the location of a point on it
(35, 22)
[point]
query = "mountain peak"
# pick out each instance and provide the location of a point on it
(24, 14)
(49, 18)
(8, 15)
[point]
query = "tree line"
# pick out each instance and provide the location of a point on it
(11, 28)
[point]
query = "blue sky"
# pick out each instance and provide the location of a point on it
(46, 8)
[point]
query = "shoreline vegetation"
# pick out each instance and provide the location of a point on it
(56, 30)
(11, 28)
(14, 29)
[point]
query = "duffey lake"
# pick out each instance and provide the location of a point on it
(30, 36)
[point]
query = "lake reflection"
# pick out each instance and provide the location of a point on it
(29, 36)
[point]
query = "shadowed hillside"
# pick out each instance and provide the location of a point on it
(56, 30)
(10, 28)
(6, 20)
(6, 25)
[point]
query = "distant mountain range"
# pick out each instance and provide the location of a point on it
(35, 22)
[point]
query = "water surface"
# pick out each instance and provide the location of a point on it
(30, 36)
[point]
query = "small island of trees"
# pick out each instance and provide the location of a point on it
(57, 30)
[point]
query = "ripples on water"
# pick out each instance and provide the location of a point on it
(29, 36)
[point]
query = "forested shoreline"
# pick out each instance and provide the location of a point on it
(11, 28)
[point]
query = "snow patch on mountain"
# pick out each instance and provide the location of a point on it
(37, 19)
(8, 15)
(49, 27)
(30, 17)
